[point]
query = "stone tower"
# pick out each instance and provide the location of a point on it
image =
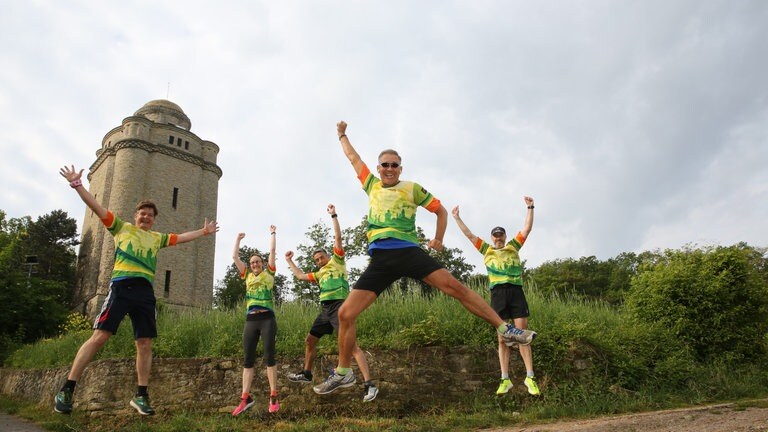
(153, 155)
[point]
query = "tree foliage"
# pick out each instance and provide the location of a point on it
(715, 299)
(590, 277)
(35, 293)
(230, 290)
(52, 239)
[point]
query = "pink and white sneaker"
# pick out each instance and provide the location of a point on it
(245, 404)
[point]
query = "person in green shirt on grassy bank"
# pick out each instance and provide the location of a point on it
(334, 289)
(130, 290)
(505, 278)
(260, 320)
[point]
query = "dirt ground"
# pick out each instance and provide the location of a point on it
(752, 417)
(742, 417)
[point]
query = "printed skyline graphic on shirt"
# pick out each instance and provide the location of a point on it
(258, 289)
(135, 249)
(332, 278)
(392, 210)
(503, 265)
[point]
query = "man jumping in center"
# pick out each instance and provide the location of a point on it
(334, 288)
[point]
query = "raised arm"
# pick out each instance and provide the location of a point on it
(272, 242)
(74, 178)
(208, 228)
(336, 227)
(300, 275)
(236, 254)
(528, 218)
(346, 146)
(463, 227)
(441, 224)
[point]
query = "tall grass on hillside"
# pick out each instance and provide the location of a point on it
(577, 337)
(397, 320)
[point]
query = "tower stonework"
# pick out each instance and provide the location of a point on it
(153, 156)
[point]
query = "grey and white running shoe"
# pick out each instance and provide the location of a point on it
(521, 336)
(371, 391)
(335, 381)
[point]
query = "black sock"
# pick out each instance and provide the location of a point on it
(308, 374)
(370, 383)
(141, 391)
(69, 385)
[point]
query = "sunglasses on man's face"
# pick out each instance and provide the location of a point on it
(389, 164)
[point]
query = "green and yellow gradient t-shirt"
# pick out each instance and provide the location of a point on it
(392, 211)
(135, 249)
(503, 264)
(258, 289)
(332, 278)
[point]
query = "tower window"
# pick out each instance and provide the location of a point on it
(175, 197)
(167, 288)
(178, 142)
(186, 145)
(170, 139)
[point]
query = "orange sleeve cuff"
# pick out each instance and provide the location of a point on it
(520, 239)
(363, 174)
(173, 239)
(434, 205)
(311, 277)
(478, 243)
(109, 220)
(339, 252)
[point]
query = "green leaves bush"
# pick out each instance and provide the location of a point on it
(714, 300)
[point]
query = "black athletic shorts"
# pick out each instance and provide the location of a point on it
(327, 320)
(509, 301)
(134, 297)
(389, 265)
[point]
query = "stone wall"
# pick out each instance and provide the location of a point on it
(408, 380)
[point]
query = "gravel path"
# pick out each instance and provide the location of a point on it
(9, 423)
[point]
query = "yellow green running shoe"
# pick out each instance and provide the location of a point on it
(504, 386)
(533, 388)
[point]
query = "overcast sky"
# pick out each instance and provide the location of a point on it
(635, 125)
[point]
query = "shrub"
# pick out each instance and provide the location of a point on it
(714, 300)
(75, 322)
